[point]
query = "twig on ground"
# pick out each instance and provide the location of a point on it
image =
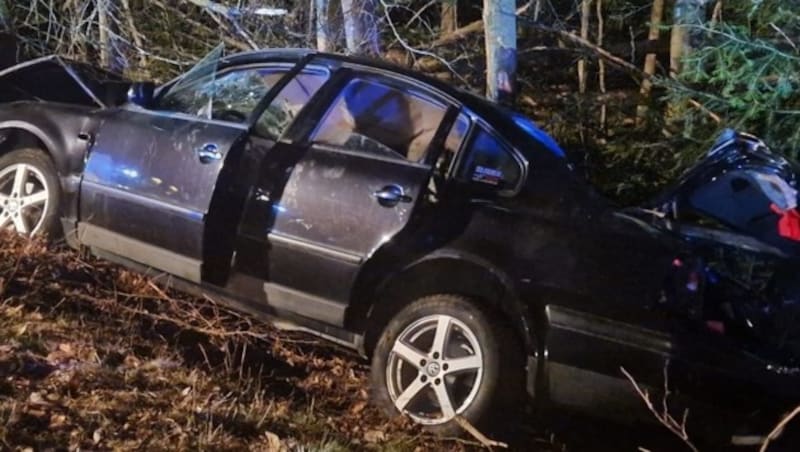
(776, 432)
(665, 418)
(469, 428)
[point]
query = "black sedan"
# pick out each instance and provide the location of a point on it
(447, 239)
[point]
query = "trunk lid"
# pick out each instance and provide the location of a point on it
(741, 186)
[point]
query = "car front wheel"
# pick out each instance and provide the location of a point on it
(442, 357)
(29, 192)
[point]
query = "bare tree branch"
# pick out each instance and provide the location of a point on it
(664, 417)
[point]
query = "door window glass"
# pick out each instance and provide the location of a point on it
(231, 96)
(288, 103)
(380, 119)
(490, 162)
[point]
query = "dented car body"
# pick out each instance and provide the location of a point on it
(326, 193)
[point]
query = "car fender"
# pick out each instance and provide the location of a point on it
(58, 128)
(63, 131)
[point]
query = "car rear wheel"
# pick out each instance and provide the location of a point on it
(443, 357)
(29, 193)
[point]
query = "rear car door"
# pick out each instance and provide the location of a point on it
(358, 175)
(151, 173)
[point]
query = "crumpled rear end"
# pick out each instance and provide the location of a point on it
(54, 79)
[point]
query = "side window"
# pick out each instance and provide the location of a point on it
(231, 96)
(489, 162)
(288, 103)
(381, 119)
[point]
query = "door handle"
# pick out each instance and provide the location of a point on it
(391, 195)
(208, 153)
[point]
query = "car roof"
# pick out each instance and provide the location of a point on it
(503, 119)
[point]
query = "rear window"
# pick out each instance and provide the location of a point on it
(489, 162)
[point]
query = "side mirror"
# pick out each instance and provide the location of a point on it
(141, 94)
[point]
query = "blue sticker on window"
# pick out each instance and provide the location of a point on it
(487, 175)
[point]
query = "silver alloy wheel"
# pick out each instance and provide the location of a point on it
(24, 198)
(435, 369)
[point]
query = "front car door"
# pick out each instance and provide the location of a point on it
(151, 173)
(353, 185)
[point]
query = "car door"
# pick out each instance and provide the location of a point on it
(353, 184)
(151, 173)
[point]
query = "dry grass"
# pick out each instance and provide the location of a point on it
(93, 356)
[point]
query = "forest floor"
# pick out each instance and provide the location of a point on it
(96, 357)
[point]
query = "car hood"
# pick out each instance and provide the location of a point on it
(55, 79)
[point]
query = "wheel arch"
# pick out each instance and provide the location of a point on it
(55, 133)
(444, 271)
(17, 134)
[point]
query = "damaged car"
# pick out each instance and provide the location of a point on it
(446, 239)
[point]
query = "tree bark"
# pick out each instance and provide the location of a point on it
(449, 22)
(686, 14)
(360, 27)
(601, 64)
(586, 11)
(110, 55)
(656, 16)
(500, 20)
(322, 20)
(5, 17)
(8, 42)
(326, 20)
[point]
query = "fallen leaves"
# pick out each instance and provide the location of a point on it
(96, 357)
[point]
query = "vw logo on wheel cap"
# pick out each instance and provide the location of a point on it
(432, 369)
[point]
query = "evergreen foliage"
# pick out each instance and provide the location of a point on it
(746, 71)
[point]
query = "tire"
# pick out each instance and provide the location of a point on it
(406, 361)
(30, 193)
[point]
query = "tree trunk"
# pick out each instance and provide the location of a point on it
(500, 21)
(5, 17)
(360, 27)
(686, 14)
(601, 64)
(326, 20)
(586, 11)
(110, 55)
(8, 42)
(449, 21)
(656, 16)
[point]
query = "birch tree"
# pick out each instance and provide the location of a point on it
(500, 21)
(8, 45)
(686, 18)
(326, 24)
(5, 17)
(360, 27)
(110, 53)
(586, 11)
(656, 16)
